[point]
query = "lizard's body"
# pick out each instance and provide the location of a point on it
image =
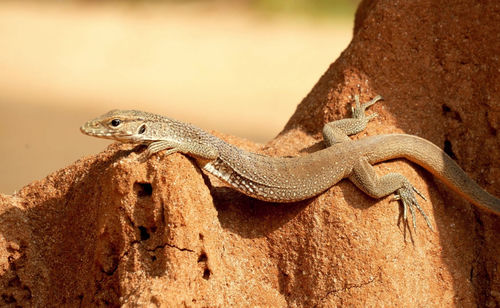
(280, 179)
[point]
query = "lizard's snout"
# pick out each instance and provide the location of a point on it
(93, 128)
(84, 129)
(87, 127)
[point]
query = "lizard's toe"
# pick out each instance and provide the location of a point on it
(407, 196)
(358, 110)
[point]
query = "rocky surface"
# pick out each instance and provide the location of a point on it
(110, 230)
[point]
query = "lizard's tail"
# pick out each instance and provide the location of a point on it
(433, 159)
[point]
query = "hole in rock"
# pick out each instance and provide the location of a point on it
(206, 274)
(144, 233)
(202, 258)
(143, 189)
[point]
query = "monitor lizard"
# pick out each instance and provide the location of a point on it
(290, 179)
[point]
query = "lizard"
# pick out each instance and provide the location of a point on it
(291, 179)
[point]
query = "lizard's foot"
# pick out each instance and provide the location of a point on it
(155, 147)
(407, 196)
(358, 111)
(339, 130)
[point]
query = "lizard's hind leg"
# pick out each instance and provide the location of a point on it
(338, 131)
(365, 178)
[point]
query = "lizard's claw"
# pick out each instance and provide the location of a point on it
(406, 194)
(373, 101)
(152, 149)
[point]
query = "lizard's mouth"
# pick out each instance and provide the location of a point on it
(95, 132)
(102, 132)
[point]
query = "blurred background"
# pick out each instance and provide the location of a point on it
(239, 67)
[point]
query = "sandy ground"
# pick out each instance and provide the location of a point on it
(225, 69)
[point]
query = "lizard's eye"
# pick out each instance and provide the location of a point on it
(115, 122)
(142, 129)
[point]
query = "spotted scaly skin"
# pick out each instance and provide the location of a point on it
(280, 179)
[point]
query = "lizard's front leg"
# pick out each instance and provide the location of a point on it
(198, 150)
(365, 178)
(338, 131)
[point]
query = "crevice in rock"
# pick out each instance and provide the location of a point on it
(120, 258)
(348, 287)
(171, 246)
(448, 149)
(117, 263)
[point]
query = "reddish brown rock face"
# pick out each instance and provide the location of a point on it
(110, 230)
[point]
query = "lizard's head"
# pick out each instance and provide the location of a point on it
(121, 125)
